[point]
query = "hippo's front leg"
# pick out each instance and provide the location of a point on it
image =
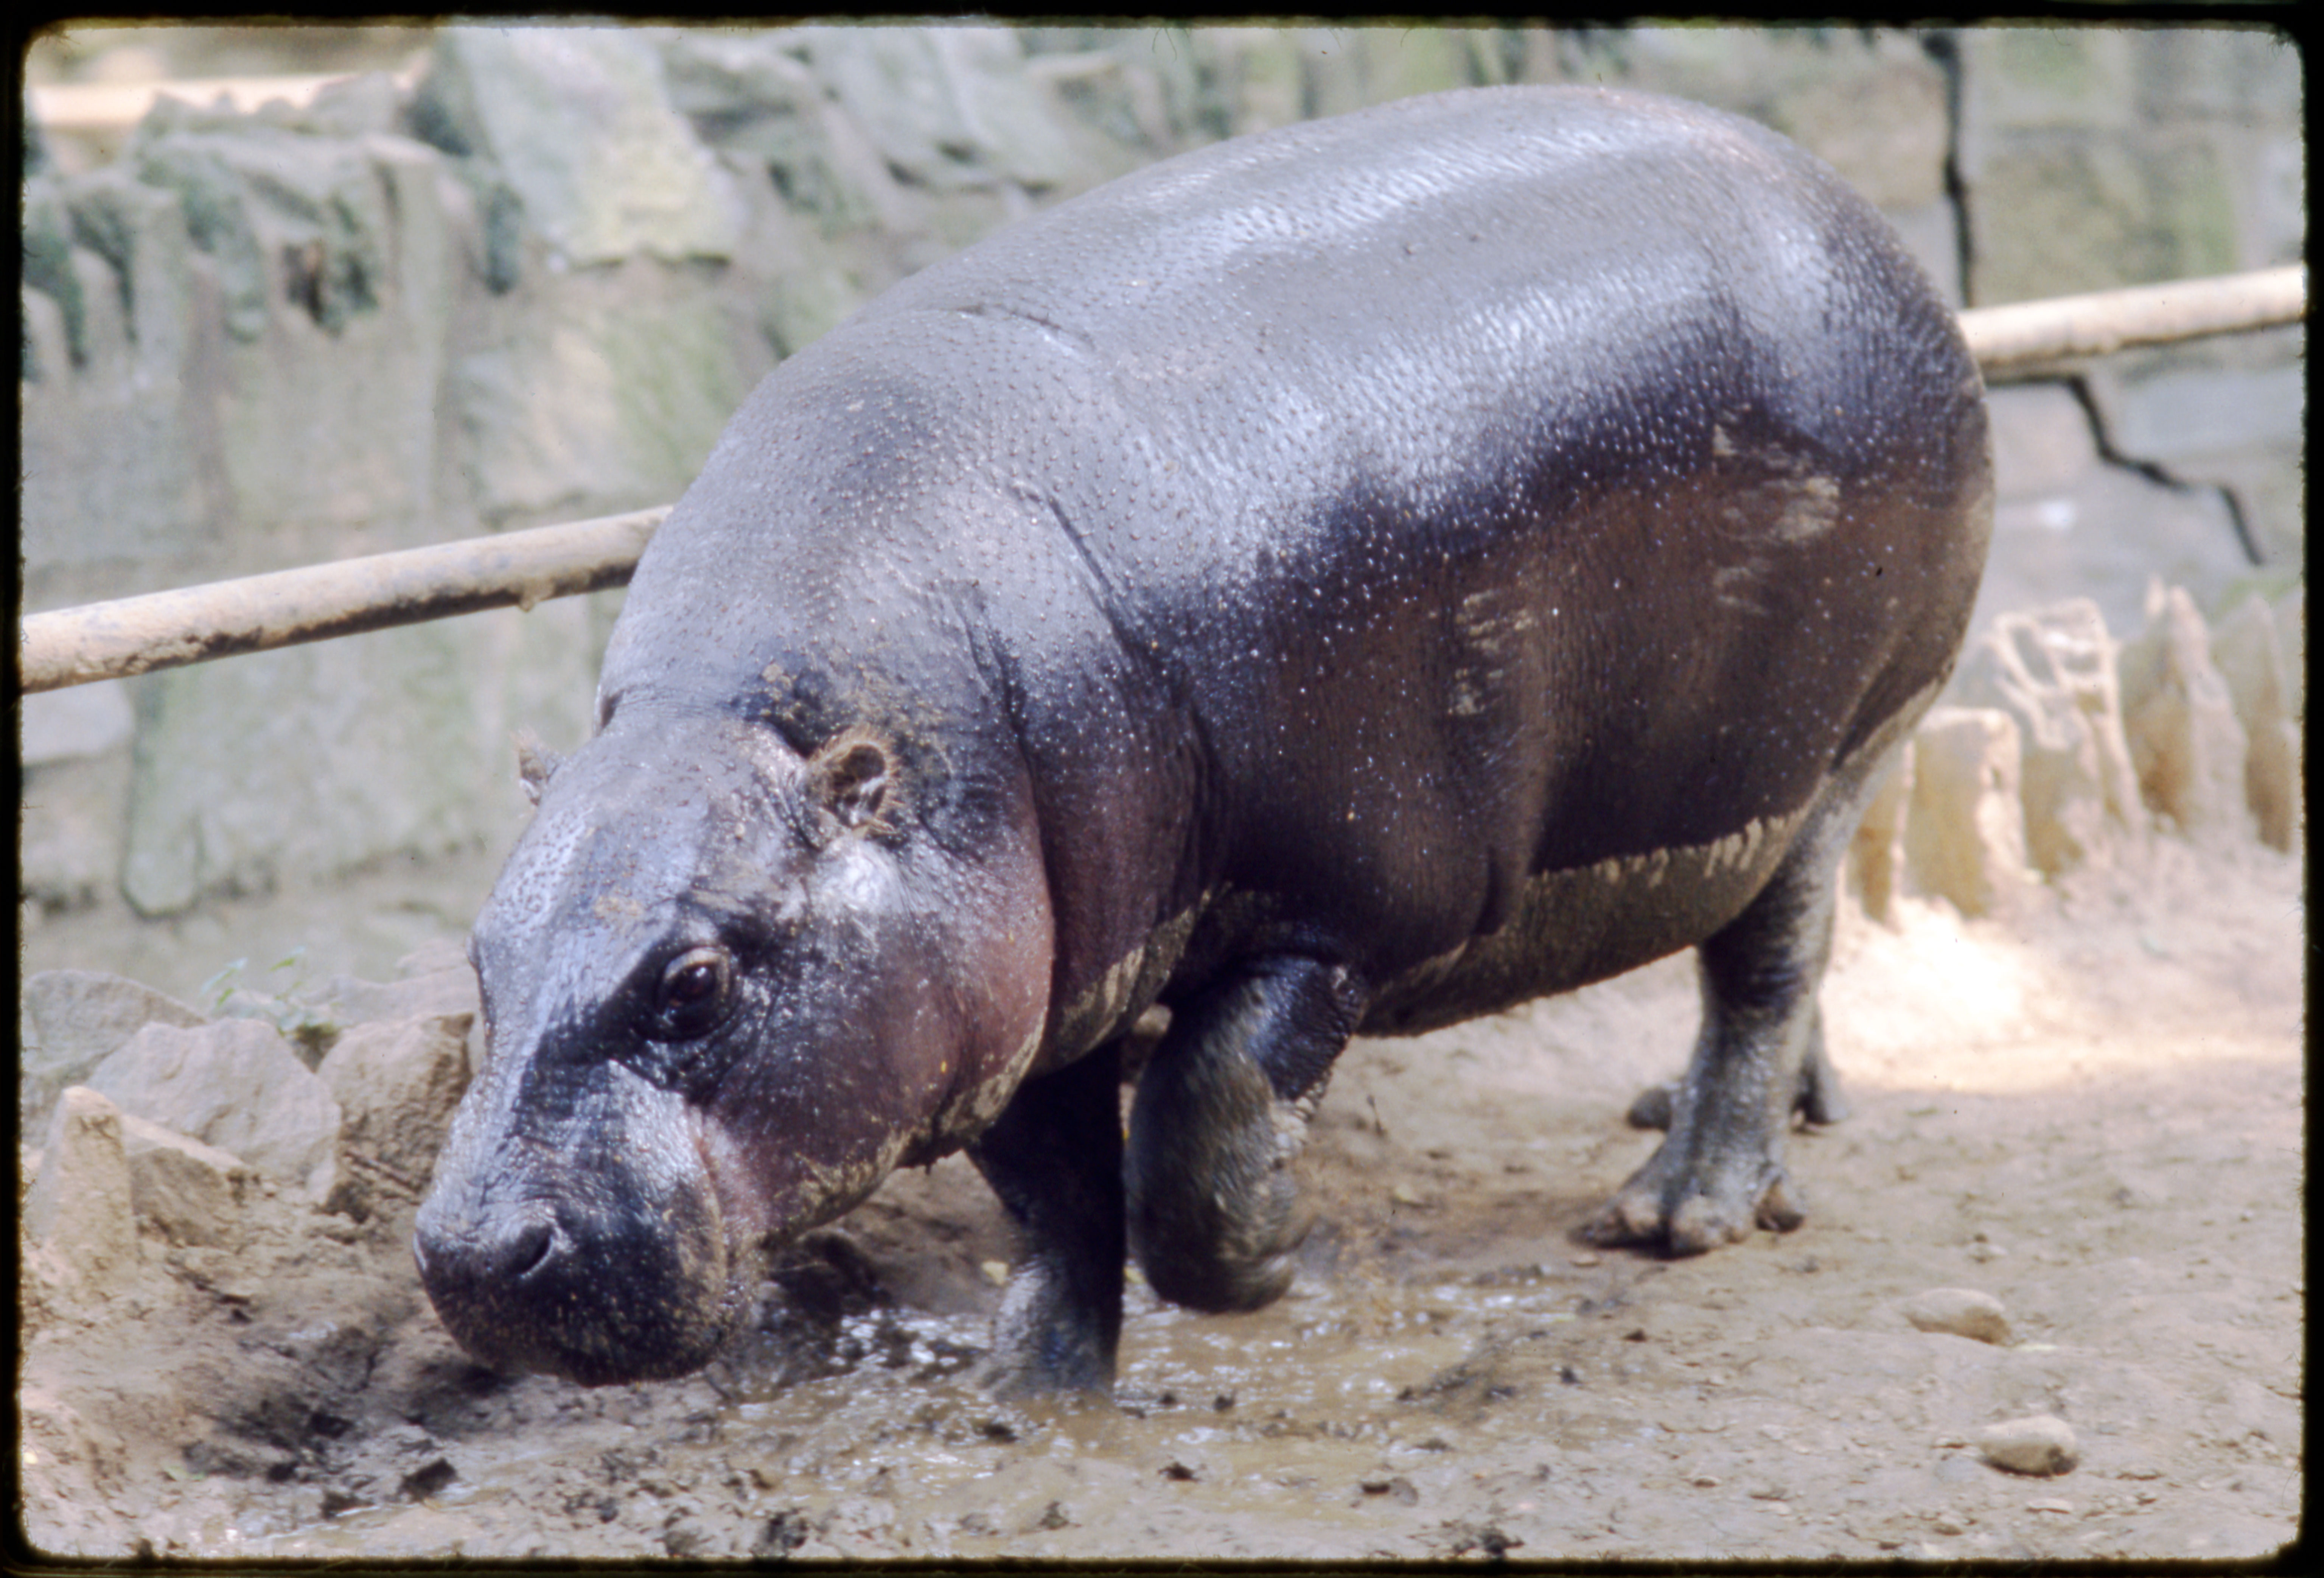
(1222, 1110)
(1054, 1156)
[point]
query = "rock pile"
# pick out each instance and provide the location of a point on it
(159, 1125)
(2060, 746)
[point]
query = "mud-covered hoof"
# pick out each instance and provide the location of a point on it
(1640, 1217)
(1014, 1381)
(1626, 1220)
(1781, 1208)
(1654, 1106)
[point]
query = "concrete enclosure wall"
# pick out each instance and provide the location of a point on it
(533, 286)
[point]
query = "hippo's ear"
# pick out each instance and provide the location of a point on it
(852, 779)
(534, 764)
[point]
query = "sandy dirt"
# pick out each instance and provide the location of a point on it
(2090, 1111)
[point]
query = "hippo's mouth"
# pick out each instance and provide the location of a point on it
(596, 1298)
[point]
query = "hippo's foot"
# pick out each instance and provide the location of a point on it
(1220, 1112)
(1665, 1208)
(1759, 1060)
(1054, 1156)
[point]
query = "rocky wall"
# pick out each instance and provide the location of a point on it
(533, 287)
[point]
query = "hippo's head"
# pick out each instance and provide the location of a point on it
(726, 989)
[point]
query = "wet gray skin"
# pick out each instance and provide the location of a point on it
(1353, 579)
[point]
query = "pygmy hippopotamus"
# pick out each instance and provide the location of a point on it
(1343, 580)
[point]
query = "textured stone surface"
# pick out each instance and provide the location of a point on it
(65, 725)
(2052, 670)
(1964, 834)
(78, 1210)
(191, 1192)
(1876, 855)
(317, 758)
(2051, 125)
(579, 120)
(2249, 653)
(2039, 1443)
(2185, 743)
(72, 1021)
(2068, 524)
(1962, 1311)
(236, 1085)
(396, 1081)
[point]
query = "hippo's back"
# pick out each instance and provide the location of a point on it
(1493, 483)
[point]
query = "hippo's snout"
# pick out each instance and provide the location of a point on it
(595, 1296)
(499, 1253)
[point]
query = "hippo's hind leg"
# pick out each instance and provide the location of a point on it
(1054, 1156)
(1760, 1057)
(1222, 1110)
(1818, 1099)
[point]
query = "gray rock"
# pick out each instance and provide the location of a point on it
(2290, 610)
(2184, 412)
(1121, 96)
(65, 725)
(70, 1021)
(1876, 855)
(2068, 525)
(2185, 742)
(114, 463)
(320, 758)
(192, 1192)
(396, 1083)
(579, 122)
(78, 1210)
(2039, 1443)
(69, 831)
(1964, 836)
(1257, 75)
(755, 97)
(1961, 1312)
(2051, 125)
(2248, 652)
(2052, 669)
(611, 397)
(905, 88)
(433, 957)
(48, 244)
(363, 105)
(291, 222)
(450, 994)
(236, 1085)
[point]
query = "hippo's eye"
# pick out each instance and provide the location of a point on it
(692, 999)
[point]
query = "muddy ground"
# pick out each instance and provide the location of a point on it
(2091, 1112)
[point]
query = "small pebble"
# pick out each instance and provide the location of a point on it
(2040, 1444)
(1962, 1311)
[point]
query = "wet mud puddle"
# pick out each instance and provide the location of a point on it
(1321, 1420)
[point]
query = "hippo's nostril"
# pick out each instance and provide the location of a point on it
(524, 1252)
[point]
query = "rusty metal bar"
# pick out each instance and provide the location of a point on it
(2069, 328)
(165, 629)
